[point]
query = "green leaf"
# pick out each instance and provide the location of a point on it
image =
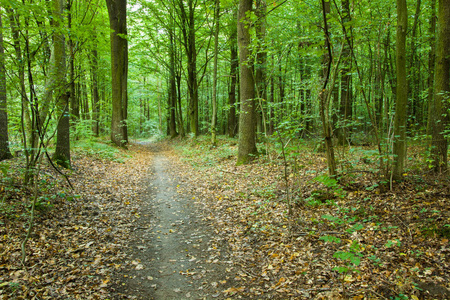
(341, 269)
(4, 168)
(330, 239)
(355, 227)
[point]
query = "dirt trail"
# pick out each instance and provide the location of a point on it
(172, 252)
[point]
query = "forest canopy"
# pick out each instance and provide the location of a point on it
(349, 73)
(310, 137)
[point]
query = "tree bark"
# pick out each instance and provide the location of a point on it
(180, 111)
(247, 116)
(439, 142)
(62, 151)
(4, 140)
(216, 54)
(74, 104)
(414, 73)
(346, 105)
(188, 30)
(95, 93)
(172, 95)
(234, 63)
(21, 74)
(117, 10)
(323, 94)
(261, 58)
(399, 150)
(431, 66)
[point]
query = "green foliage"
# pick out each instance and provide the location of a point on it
(4, 168)
(99, 149)
(399, 297)
(390, 244)
(375, 260)
(194, 148)
(150, 128)
(355, 227)
(330, 239)
(350, 259)
(334, 190)
(82, 130)
(432, 229)
(326, 181)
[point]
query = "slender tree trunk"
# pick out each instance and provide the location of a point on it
(431, 66)
(85, 99)
(172, 95)
(21, 74)
(282, 106)
(413, 78)
(214, 89)
(272, 104)
(95, 93)
(345, 107)
(117, 10)
(4, 140)
(399, 150)
(180, 110)
(62, 151)
(74, 106)
(323, 95)
(234, 63)
(247, 116)
(77, 101)
(442, 89)
(261, 57)
(188, 30)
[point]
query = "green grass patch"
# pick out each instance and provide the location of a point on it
(199, 153)
(99, 149)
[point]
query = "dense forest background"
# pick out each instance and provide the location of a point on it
(350, 73)
(310, 137)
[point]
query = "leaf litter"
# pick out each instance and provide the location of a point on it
(359, 243)
(347, 240)
(79, 237)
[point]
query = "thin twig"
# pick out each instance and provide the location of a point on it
(33, 206)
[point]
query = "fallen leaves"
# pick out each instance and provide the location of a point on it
(284, 256)
(79, 247)
(76, 244)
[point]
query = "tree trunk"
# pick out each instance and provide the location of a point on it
(261, 57)
(172, 95)
(4, 141)
(431, 66)
(180, 111)
(117, 10)
(413, 78)
(247, 116)
(399, 150)
(272, 104)
(188, 30)
(21, 74)
(324, 95)
(442, 88)
(86, 112)
(214, 89)
(95, 94)
(345, 107)
(74, 106)
(232, 120)
(62, 151)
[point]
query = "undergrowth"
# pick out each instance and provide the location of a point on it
(99, 148)
(366, 240)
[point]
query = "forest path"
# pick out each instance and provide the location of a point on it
(170, 248)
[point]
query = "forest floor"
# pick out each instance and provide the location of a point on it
(157, 223)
